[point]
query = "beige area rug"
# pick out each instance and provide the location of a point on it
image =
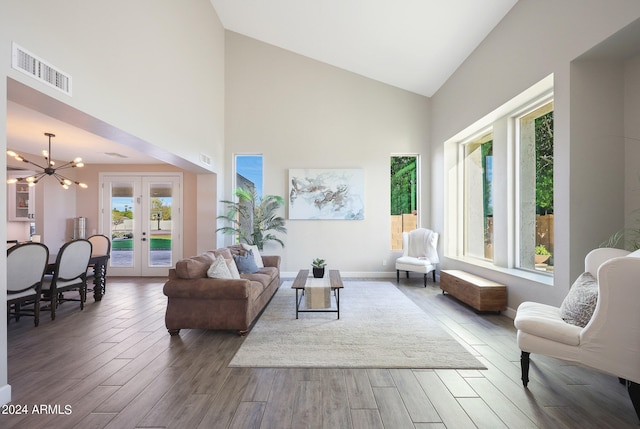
(379, 327)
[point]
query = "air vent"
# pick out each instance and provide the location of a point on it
(35, 67)
(205, 159)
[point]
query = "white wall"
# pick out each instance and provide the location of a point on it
(148, 73)
(535, 39)
(304, 114)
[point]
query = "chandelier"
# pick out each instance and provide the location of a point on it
(49, 170)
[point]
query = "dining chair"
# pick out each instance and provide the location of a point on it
(26, 265)
(101, 245)
(69, 273)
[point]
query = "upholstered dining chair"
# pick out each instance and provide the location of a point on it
(608, 340)
(419, 253)
(26, 264)
(101, 245)
(69, 273)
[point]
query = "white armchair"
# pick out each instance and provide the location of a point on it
(610, 341)
(419, 253)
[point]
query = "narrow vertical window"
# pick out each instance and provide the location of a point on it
(404, 197)
(248, 177)
(535, 139)
(478, 197)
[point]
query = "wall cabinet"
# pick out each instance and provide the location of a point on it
(21, 200)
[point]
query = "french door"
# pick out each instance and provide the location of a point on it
(141, 214)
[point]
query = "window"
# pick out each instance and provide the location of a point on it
(535, 221)
(404, 197)
(478, 197)
(499, 188)
(249, 172)
(249, 177)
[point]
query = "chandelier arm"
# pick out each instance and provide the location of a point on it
(67, 165)
(32, 163)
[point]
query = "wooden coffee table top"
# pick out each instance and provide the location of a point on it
(301, 279)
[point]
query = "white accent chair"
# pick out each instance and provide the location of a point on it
(610, 342)
(26, 264)
(419, 253)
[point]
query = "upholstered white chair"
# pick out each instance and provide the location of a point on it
(26, 264)
(610, 340)
(70, 273)
(419, 253)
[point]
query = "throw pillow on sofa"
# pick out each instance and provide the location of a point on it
(256, 254)
(580, 303)
(246, 263)
(233, 269)
(219, 269)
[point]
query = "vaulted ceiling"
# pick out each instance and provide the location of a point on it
(412, 44)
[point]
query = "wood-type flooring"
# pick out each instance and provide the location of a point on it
(114, 365)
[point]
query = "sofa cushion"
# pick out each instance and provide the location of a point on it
(195, 267)
(219, 269)
(246, 263)
(226, 253)
(256, 254)
(580, 303)
(233, 269)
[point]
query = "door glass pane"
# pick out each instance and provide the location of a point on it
(160, 224)
(122, 216)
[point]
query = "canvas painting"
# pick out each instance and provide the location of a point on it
(326, 194)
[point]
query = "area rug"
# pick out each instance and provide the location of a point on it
(379, 327)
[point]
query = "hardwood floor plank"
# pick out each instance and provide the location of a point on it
(415, 399)
(248, 416)
(450, 411)
(481, 414)
(501, 405)
(335, 400)
(456, 384)
(380, 378)
(307, 411)
(391, 407)
(366, 419)
(225, 402)
(359, 389)
(279, 410)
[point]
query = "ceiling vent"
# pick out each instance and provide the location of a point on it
(35, 67)
(205, 159)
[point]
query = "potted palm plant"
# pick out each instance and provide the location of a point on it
(318, 265)
(253, 219)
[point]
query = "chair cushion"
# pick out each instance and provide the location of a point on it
(579, 304)
(544, 321)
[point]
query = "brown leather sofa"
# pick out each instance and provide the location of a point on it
(198, 302)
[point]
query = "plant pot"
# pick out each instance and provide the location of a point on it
(318, 273)
(541, 259)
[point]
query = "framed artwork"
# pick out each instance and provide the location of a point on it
(326, 194)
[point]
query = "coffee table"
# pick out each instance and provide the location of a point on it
(335, 282)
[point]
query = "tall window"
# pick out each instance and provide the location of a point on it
(404, 197)
(535, 145)
(478, 197)
(249, 177)
(249, 172)
(498, 200)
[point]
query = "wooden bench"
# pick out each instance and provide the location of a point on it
(477, 292)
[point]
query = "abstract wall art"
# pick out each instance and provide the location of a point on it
(326, 194)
